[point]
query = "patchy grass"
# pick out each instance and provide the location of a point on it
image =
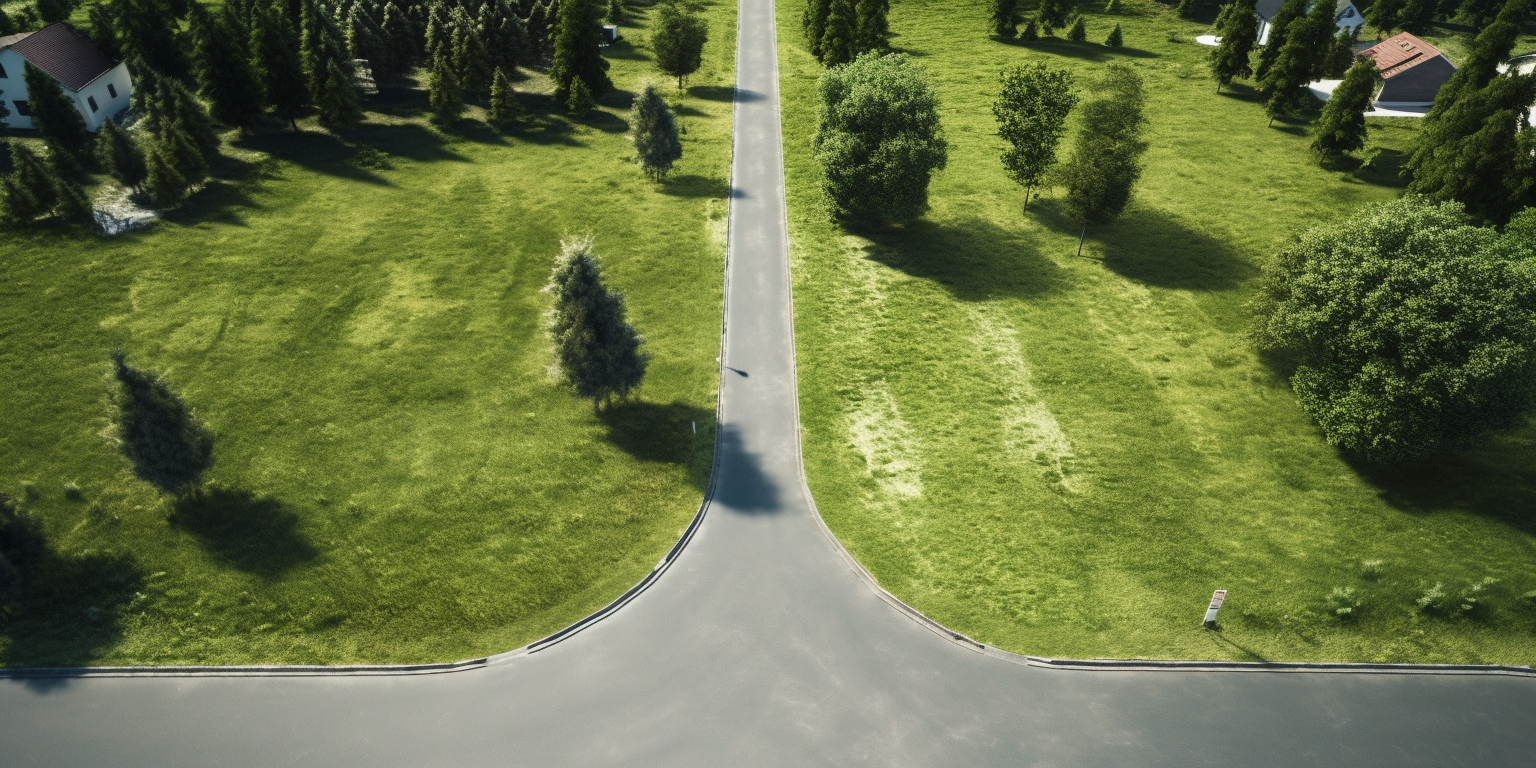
(1065, 456)
(398, 478)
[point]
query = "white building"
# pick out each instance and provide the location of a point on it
(98, 86)
(1346, 17)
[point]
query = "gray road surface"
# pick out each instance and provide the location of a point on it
(760, 646)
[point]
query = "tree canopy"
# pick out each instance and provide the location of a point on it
(1031, 112)
(578, 33)
(1341, 129)
(597, 349)
(678, 41)
(657, 146)
(1106, 159)
(1238, 27)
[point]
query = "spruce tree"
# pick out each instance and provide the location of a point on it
(505, 110)
(678, 41)
(506, 38)
(1341, 56)
(283, 86)
(73, 206)
(1479, 152)
(54, 114)
(166, 444)
(1116, 38)
(597, 350)
(29, 190)
(122, 158)
(223, 73)
(1031, 31)
(579, 101)
(813, 22)
(1054, 14)
(1238, 28)
(471, 60)
(148, 31)
(837, 42)
(178, 104)
(445, 97)
(1079, 31)
(1490, 49)
(615, 12)
(657, 146)
(872, 30)
(1006, 17)
(578, 55)
(164, 185)
(102, 30)
(1279, 29)
(366, 40)
(1106, 160)
(400, 37)
(1341, 129)
(1031, 113)
(52, 11)
(329, 71)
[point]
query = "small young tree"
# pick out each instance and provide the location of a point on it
(657, 145)
(1411, 330)
(1116, 38)
(505, 110)
(578, 55)
(813, 22)
(445, 97)
(273, 41)
(580, 100)
(1031, 31)
(120, 156)
(73, 206)
(54, 114)
(678, 41)
(1238, 28)
(1006, 16)
(1341, 129)
(1031, 114)
(1079, 31)
(163, 183)
(1106, 161)
(597, 349)
(162, 439)
(879, 141)
(223, 73)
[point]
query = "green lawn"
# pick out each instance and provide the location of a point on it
(1065, 456)
(398, 477)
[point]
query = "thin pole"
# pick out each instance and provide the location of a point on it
(1080, 240)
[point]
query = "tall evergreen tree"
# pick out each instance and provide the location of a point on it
(53, 113)
(164, 185)
(872, 30)
(366, 40)
(505, 109)
(223, 73)
(52, 11)
(1341, 129)
(814, 24)
(1238, 28)
(841, 35)
(179, 105)
(102, 26)
(578, 54)
(598, 351)
(1006, 15)
(166, 444)
(657, 146)
(122, 158)
(1106, 161)
(1279, 31)
(506, 38)
(1341, 54)
(283, 86)
(1055, 14)
(1490, 49)
(678, 41)
(400, 35)
(1479, 152)
(445, 97)
(1301, 61)
(73, 206)
(1031, 114)
(329, 71)
(148, 31)
(28, 191)
(471, 60)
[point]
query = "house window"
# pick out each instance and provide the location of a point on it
(111, 90)
(23, 109)
(91, 100)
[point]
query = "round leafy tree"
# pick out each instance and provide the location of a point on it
(1411, 329)
(879, 141)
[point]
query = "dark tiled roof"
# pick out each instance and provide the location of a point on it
(1400, 53)
(65, 54)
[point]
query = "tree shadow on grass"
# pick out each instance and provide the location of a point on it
(1153, 247)
(1084, 50)
(692, 185)
(974, 260)
(1384, 170)
(1495, 478)
(666, 434)
(252, 533)
(68, 612)
(1242, 92)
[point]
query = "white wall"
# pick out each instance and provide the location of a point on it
(14, 86)
(15, 89)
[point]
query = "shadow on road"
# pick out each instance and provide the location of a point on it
(743, 486)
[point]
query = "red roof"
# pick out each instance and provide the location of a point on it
(1400, 53)
(65, 54)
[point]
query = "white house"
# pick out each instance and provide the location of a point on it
(98, 86)
(1345, 16)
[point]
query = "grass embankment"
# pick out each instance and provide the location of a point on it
(398, 477)
(1064, 456)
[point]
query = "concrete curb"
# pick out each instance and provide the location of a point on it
(257, 670)
(1155, 665)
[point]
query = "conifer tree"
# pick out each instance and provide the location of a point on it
(1279, 29)
(1341, 129)
(657, 146)
(814, 24)
(1385, 15)
(579, 102)
(1106, 161)
(1238, 28)
(73, 206)
(166, 444)
(578, 55)
(147, 30)
(1079, 31)
(329, 70)
(400, 37)
(223, 73)
(506, 38)
(837, 42)
(505, 110)
(164, 185)
(102, 30)
(541, 25)
(366, 40)
(1490, 49)
(1031, 114)
(598, 351)
(1341, 56)
(1054, 15)
(471, 60)
(445, 97)
(54, 114)
(1006, 17)
(872, 30)
(283, 87)
(1116, 38)
(1479, 152)
(179, 105)
(122, 158)
(1113, 6)
(52, 11)
(29, 191)
(678, 41)
(1031, 31)
(1301, 60)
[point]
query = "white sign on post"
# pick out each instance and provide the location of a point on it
(1216, 600)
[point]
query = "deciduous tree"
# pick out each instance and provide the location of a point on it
(678, 41)
(1106, 160)
(1031, 114)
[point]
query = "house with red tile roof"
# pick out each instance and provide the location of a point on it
(98, 86)
(1412, 71)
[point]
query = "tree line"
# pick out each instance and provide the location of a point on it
(1051, 15)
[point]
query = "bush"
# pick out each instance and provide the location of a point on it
(1434, 599)
(1079, 31)
(1116, 38)
(879, 141)
(1411, 329)
(1344, 602)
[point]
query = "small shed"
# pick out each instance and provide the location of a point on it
(98, 86)
(1346, 17)
(1412, 71)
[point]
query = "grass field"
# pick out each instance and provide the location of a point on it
(398, 477)
(1065, 456)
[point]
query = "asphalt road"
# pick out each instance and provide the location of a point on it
(760, 646)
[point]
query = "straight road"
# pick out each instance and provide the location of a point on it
(760, 646)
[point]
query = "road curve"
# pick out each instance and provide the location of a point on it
(760, 645)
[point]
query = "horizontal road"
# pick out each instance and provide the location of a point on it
(760, 645)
